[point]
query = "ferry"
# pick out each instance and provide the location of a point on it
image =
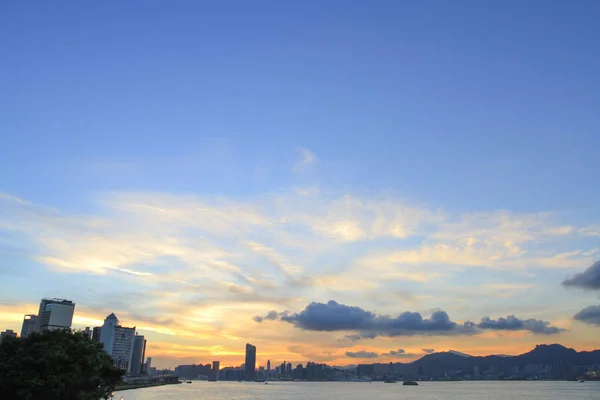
(410, 383)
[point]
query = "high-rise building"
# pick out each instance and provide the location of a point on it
(96, 332)
(55, 314)
(137, 358)
(250, 364)
(8, 333)
(87, 332)
(122, 351)
(29, 325)
(216, 366)
(118, 342)
(107, 332)
(288, 369)
(148, 363)
(268, 366)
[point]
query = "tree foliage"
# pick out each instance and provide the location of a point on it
(61, 365)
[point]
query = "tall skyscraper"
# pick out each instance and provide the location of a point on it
(250, 364)
(216, 366)
(96, 332)
(268, 366)
(118, 341)
(137, 358)
(107, 332)
(29, 325)
(55, 314)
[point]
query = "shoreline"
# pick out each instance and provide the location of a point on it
(120, 388)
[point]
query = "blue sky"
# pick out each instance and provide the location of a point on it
(314, 138)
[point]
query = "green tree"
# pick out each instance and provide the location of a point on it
(62, 364)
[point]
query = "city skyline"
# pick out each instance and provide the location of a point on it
(338, 183)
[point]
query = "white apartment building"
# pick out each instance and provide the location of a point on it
(118, 342)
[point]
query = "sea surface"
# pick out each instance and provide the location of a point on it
(465, 390)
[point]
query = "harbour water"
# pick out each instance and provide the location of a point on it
(465, 390)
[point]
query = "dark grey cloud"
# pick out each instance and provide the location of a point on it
(271, 316)
(395, 352)
(588, 279)
(362, 354)
(333, 316)
(590, 315)
(428, 351)
(512, 323)
(400, 353)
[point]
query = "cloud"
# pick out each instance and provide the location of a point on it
(205, 260)
(512, 323)
(396, 352)
(270, 316)
(334, 316)
(589, 315)
(275, 258)
(588, 279)
(362, 354)
(331, 317)
(400, 353)
(307, 157)
(428, 351)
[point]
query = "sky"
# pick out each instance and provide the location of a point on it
(340, 181)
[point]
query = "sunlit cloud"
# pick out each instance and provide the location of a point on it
(203, 266)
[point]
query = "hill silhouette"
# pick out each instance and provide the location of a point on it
(552, 361)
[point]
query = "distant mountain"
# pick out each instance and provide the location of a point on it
(351, 366)
(548, 361)
(554, 353)
(458, 353)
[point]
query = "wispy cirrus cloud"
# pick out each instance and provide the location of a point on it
(217, 258)
(307, 158)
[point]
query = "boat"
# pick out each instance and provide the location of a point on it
(410, 383)
(188, 381)
(389, 381)
(581, 381)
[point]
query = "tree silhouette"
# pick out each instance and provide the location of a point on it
(61, 364)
